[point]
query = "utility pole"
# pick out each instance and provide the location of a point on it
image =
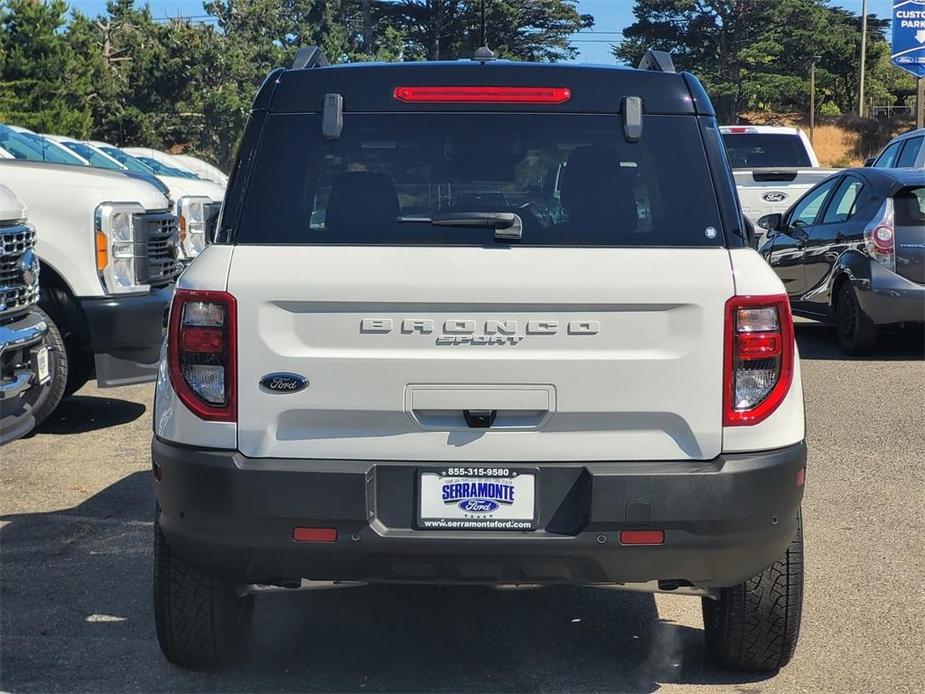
(812, 99)
(920, 103)
(863, 56)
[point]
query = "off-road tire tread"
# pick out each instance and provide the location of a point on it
(755, 626)
(201, 621)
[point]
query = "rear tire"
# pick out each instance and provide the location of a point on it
(202, 622)
(857, 333)
(755, 626)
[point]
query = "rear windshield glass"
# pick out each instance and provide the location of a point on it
(569, 179)
(761, 150)
(910, 207)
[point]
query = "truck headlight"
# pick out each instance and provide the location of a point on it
(114, 228)
(191, 217)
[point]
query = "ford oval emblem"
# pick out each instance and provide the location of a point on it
(774, 196)
(478, 505)
(283, 382)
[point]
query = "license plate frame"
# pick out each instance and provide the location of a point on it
(510, 506)
(41, 365)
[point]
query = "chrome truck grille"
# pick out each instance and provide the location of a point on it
(19, 270)
(156, 235)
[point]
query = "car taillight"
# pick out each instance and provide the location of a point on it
(758, 359)
(483, 95)
(202, 353)
(880, 236)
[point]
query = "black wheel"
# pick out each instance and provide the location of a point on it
(202, 622)
(857, 333)
(755, 625)
(79, 362)
(44, 399)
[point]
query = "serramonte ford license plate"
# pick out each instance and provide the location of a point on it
(477, 498)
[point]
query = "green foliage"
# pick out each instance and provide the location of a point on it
(128, 79)
(756, 54)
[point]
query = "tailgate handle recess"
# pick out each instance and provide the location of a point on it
(480, 419)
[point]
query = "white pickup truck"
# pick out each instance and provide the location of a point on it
(108, 248)
(772, 166)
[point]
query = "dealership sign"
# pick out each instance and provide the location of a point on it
(909, 36)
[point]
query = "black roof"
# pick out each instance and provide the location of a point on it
(891, 179)
(595, 88)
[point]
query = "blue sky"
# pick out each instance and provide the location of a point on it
(611, 17)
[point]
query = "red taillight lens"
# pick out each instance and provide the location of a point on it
(483, 95)
(202, 353)
(202, 340)
(758, 359)
(642, 537)
(314, 534)
(879, 236)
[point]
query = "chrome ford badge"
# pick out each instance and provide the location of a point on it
(283, 382)
(774, 196)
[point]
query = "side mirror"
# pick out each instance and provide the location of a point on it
(771, 222)
(212, 225)
(870, 161)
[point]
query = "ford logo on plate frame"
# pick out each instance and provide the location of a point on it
(283, 382)
(479, 505)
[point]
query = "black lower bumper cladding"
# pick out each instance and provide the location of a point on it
(126, 334)
(724, 520)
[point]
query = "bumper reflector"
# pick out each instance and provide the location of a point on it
(642, 537)
(314, 534)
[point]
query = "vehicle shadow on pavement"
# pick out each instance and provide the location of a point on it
(77, 616)
(82, 413)
(818, 341)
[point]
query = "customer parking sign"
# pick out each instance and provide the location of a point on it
(909, 36)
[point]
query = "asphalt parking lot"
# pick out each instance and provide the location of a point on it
(75, 564)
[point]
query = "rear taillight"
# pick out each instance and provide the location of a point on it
(202, 353)
(880, 236)
(758, 360)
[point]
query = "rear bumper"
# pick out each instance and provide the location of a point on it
(891, 298)
(125, 335)
(725, 520)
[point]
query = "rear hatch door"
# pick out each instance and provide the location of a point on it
(909, 211)
(581, 354)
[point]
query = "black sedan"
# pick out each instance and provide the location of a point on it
(851, 252)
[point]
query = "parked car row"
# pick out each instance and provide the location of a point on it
(849, 245)
(111, 235)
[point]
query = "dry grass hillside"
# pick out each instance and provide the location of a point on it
(841, 142)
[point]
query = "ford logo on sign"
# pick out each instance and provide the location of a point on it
(283, 382)
(774, 196)
(478, 505)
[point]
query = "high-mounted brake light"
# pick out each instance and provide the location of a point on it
(483, 95)
(758, 358)
(202, 353)
(739, 130)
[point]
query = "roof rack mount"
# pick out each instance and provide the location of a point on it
(308, 57)
(657, 61)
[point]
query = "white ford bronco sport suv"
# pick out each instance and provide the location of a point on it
(406, 359)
